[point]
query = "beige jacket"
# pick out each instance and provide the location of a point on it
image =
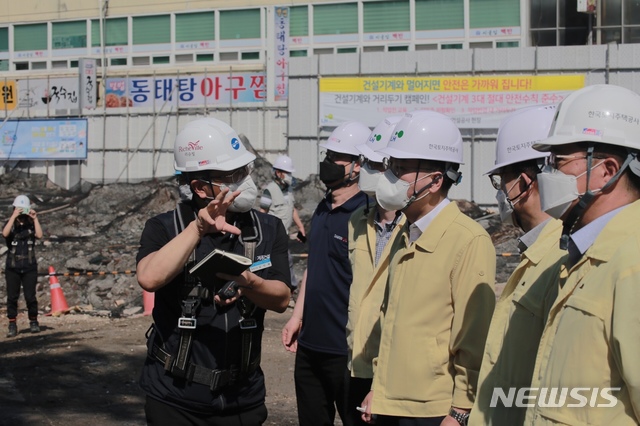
(592, 337)
(441, 298)
(516, 328)
(367, 290)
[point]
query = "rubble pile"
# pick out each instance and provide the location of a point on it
(91, 236)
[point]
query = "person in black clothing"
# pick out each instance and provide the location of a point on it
(203, 363)
(20, 233)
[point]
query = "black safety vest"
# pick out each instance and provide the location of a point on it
(219, 373)
(21, 243)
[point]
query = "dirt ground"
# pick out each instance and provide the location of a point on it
(83, 370)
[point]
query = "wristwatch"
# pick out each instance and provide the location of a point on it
(460, 417)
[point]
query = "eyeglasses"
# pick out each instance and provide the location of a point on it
(399, 169)
(496, 181)
(553, 159)
(373, 165)
(338, 156)
(235, 176)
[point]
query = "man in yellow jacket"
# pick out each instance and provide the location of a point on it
(588, 366)
(521, 311)
(441, 279)
(371, 231)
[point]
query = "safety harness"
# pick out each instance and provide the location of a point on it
(178, 364)
(21, 252)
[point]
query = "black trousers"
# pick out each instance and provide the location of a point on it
(28, 281)
(160, 414)
(357, 390)
(320, 387)
(408, 421)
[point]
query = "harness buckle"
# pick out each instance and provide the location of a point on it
(248, 323)
(187, 323)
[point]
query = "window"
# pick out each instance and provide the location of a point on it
(195, 26)
(4, 65)
(500, 44)
(21, 66)
(631, 16)
(115, 29)
(204, 57)
(248, 56)
(451, 46)
(4, 39)
(151, 29)
(161, 60)
(398, 48)
(347, 49)
(335, 19)
(543, 13)
(298, 21)
(439, 14)
(69, 35)
(30, 37)
(386, 16)
(494, 13)
(297, 53)
(236, 24)
(118, 61)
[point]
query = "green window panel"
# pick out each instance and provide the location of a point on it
(151, 29)
(161, 60)
(195, 26)
(494, 13)
(4, 39)
(297, 53)
(298, 21)
(30, 37)
(386, 16)
(439, 15)
(450, 46)
(204, 57)
(347, 49)
(4, 65)
(69, 35)
(116, 32)
(335, 19)
(235, 24)
(500, 44)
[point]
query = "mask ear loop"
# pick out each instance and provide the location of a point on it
(576, 212)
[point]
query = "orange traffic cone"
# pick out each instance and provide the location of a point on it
(148, 299)
(58, 302)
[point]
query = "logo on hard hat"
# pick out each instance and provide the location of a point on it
(235, 144)
(375, 138)
(592, 132)
(397, 135)
(191, 146)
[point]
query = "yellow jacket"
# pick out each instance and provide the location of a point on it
(516, 327)
(367, 290)
(592, 337)
(440, 302)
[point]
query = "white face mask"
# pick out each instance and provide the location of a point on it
(248, 194)
(391, 192)
(287, 179)
(558, 191)
(505, 207)
(369, 179)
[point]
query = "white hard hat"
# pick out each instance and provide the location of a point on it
(346, 136)
(209, 144)
(519, 131)
(379, 138)
(601, 113)
(426, 135)
(22, 201)
(284, 163)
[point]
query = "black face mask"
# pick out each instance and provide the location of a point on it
(330, 172)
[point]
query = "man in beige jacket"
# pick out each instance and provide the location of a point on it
(441, 278)
(521, 311)
(588, 366)
(372, 230)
